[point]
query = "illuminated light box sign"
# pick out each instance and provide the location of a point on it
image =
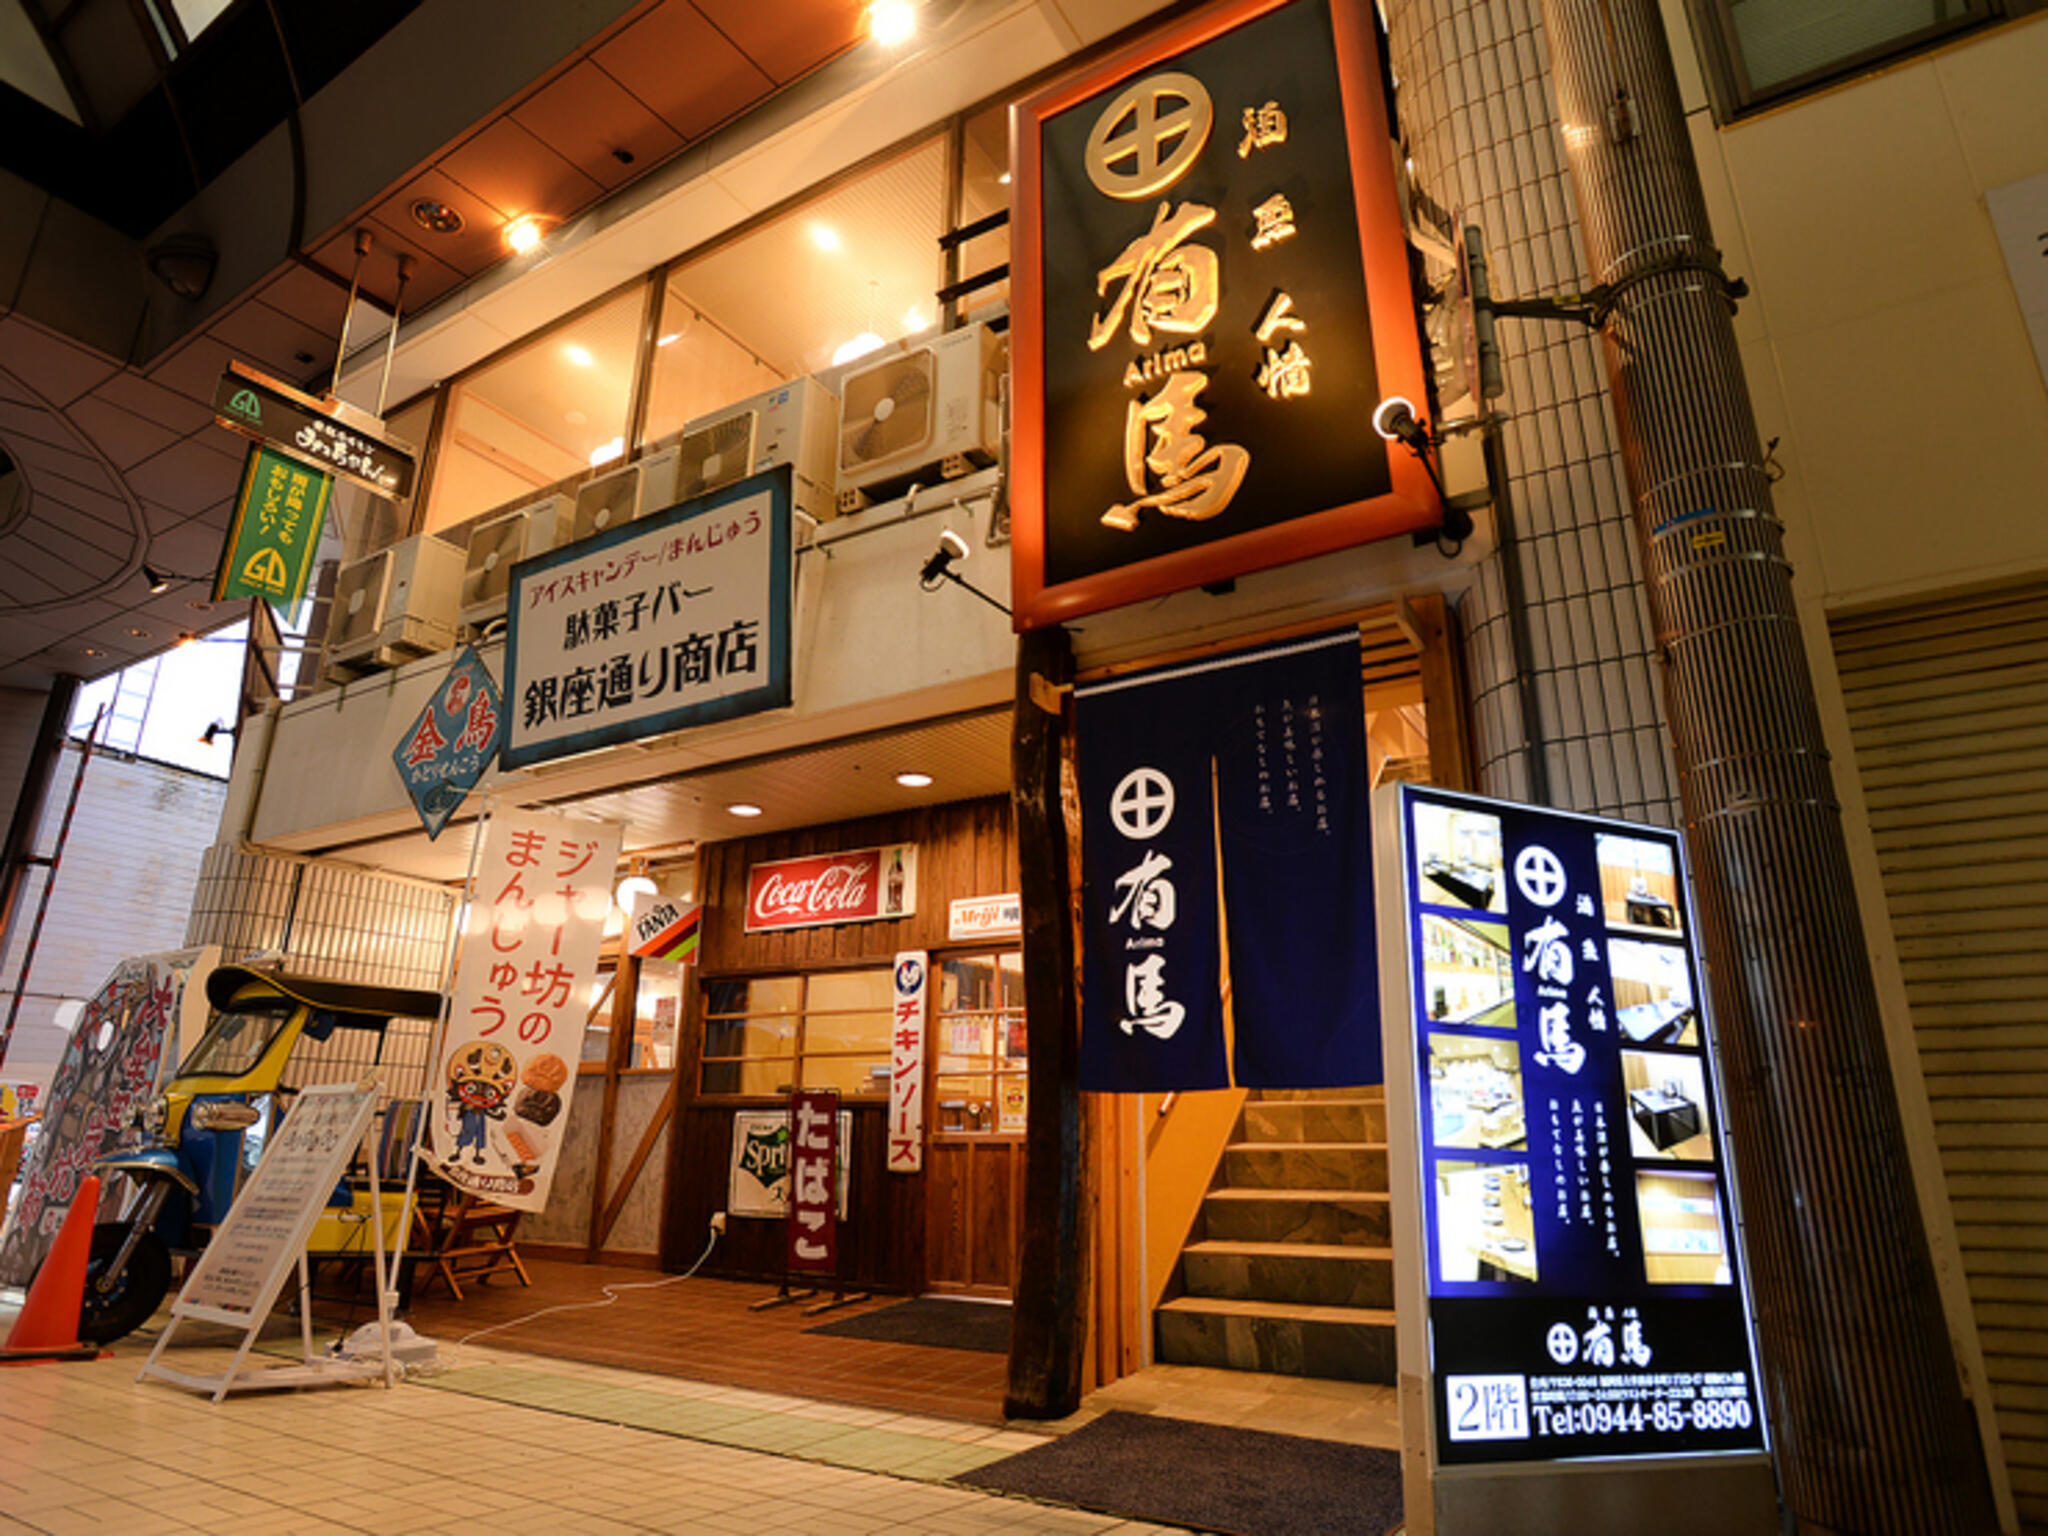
(861, 885)
(1210, 296)
(315, 432)
(678, 619)
(1556, 1140)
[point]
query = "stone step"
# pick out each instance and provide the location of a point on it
(1353, 1217)
(1311, 1274)
(1326, 1165)
(1334, 1343)
(1316, 1120)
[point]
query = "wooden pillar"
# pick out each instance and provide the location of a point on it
(1049, 1326)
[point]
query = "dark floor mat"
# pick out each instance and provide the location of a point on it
(978, 1325)
(1242, 1481)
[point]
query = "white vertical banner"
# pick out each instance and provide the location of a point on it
(906, 1063)
(523, 983)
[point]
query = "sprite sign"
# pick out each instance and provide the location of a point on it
(276, 530)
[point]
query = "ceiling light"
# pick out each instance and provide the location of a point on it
(93, 650)
(139, 634)
(158, 581)
(579, 355)
(892, 22)
(670, 339)
(742, 808)
(859, 346)
(197, 606)
(187, 638)
(436, 217)
(604, 453)
(913, 319)
(826, 238)
(523, 234)
(630, 888)
(1003, 180)
(914, 780)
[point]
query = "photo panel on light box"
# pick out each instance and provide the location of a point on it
(1639, 885)
(1484, 1227)
(1475, 1092)
(1653, 1001)
(1468, 972)
(1684, 1237)
(1458, 858)
(1669, 1116)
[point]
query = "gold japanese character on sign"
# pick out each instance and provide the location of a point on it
(1148, 136)
(1284, 375)
(1279, 316)
(1263, 128)
(1196, 480)
(1284, 372)
(1165, 285)
(1272, 222)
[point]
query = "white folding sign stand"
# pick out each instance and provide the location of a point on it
(237, 1278)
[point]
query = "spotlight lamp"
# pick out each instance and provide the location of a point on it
(214, 731)
(1394, 419)
(939, 568)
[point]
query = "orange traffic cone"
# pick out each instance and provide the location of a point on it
(48, 1326)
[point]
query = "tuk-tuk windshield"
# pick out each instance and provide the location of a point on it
(236, 1040)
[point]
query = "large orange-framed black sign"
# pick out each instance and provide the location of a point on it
(1210, 295)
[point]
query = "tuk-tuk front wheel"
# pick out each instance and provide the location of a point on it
(129, 1299)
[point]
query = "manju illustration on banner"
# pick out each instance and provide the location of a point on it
(279, 512)
(1584, 1279)
(451, 744)
(522, 997)
(1279, 732)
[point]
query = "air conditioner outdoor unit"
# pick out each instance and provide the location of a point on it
(396, 604)
(498, 545)
(615, 499)
(933, 406)
(790, 425)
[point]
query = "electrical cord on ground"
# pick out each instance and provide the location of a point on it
(611, 1295)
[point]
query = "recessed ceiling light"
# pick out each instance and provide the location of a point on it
(197, 606)
(1003, 180)
(579, 355)
(913, 319)
(892, 22)
(826, 238)
(139, 634)
(914, 780)
(93, 650)
(523, 234)
(435, 216)
(742, 808)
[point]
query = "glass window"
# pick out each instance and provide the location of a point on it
(768, 1035)
(659, 1006)
(980, 1084)
(539, 416)
(849, 271)
(1770, 48)
(985, 189)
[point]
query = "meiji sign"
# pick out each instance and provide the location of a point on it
(985, 917)
(864, 885)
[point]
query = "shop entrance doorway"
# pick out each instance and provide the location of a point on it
(974, 1178)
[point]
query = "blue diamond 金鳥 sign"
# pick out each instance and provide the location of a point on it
(455, 738)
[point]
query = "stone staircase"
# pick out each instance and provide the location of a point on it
(1289, 1268)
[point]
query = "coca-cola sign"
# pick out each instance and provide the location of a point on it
(863, 885)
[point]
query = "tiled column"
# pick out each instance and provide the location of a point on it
(1478, 123)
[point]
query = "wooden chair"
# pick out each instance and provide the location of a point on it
(465, 1237)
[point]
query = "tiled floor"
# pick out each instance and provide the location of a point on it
(507, 1442)
(85, 1448)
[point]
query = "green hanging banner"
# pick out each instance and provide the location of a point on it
(276, 530)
